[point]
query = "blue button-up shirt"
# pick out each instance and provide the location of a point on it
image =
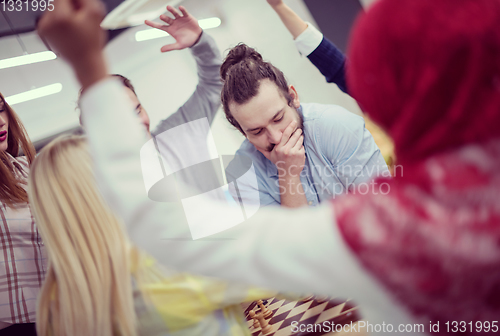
(341, 156)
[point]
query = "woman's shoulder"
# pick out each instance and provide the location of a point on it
(22, 160)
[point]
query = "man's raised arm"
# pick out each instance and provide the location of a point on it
(310, 42)
(205, 101)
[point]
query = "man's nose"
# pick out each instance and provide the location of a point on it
(274, 135)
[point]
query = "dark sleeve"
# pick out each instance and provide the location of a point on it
(330, 61)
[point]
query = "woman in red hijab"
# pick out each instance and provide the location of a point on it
(421, 249)
(428, 72)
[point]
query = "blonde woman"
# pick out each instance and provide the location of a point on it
(97, 283)
(22, 254)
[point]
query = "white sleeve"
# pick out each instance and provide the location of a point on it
(309, 40)
(299, 251)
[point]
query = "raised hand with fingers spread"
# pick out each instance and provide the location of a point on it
(183, 28)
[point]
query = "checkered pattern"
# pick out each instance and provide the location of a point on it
(23, 260)
(305, 313)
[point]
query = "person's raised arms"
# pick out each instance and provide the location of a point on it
(310, 42)
(205, 100)
(163, 229)
(290, 19)
(203, 103)
(183, 28)
(73, 30)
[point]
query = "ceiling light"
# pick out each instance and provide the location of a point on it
(153, 33)
(34, 94)
(149, 34)
(210, 23)
(27, 59)
(134, 12)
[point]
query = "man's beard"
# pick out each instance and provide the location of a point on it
(301, 126)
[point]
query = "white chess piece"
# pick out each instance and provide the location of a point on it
(264, 325)
(265, 312)
(252, 314)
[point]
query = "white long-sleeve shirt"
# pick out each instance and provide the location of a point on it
(300, 251)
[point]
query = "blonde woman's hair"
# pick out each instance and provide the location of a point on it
(88, 287)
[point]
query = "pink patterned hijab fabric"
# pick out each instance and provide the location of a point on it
(428, 71)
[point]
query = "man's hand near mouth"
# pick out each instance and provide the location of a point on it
(289, 157)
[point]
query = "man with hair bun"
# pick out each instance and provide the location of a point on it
(302, 154)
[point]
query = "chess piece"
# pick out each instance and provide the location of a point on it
(309, 298)
(267, 313)
(256, 324)
(321, 299)
(264, 325)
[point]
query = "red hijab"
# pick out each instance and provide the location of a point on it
(428, 71)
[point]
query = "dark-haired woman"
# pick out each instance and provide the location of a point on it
(22, 254)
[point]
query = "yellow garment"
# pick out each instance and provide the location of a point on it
(187, 304)
(383, 142)
(167, 302)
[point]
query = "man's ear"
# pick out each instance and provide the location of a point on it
(233, 119)
(295, 96)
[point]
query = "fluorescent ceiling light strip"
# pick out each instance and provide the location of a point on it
(153, 33)
(27, 59)
(210, 23)
(149, 34)
(34, 94)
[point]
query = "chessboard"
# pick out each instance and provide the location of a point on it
(311, 314)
